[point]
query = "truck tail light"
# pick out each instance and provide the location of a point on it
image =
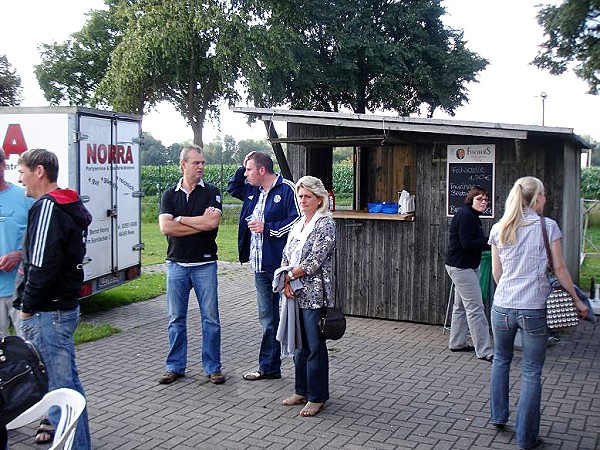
(86, 290)
(133, 272)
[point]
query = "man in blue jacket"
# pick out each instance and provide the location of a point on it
(269, 211)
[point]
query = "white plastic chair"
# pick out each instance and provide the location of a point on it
(71, 404)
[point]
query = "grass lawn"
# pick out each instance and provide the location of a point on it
(591, 264)
(155, 244)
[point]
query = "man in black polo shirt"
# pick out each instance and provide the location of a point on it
(189, 216)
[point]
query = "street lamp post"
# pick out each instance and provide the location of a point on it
(544, 96)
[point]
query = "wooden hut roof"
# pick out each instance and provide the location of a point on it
(386, 124)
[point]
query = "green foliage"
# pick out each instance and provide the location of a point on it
(341, 154)
(343, 178)
(358, 54)
(10, 84)
(246, 146)
(595, 148)
(572, 32)
(183, 52)
(306, 54)
(590, 183)
(72, 70)
(156, 179)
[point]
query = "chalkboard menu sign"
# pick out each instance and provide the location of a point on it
(468, 166)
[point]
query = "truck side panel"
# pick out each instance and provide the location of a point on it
(110, 182)
(98, 154)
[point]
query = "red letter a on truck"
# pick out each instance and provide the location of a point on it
(14, 141)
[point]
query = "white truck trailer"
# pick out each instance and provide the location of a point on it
(99, 157)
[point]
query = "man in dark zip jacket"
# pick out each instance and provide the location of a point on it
(53, 251)
(269, 212)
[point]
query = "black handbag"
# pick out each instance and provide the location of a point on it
(333, 322)
(560, 307)
(23, 377)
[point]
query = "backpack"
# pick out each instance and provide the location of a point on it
(23, 377)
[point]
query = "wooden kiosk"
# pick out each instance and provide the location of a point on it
(391, 266)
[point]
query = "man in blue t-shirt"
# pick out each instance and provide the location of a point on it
(14, 206)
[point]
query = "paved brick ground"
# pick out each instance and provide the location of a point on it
(394, 385)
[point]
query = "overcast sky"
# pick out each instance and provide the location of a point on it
(503, 31)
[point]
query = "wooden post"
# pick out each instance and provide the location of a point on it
(278, 149)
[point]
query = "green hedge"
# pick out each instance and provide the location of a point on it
(590, 183)
(156, 179)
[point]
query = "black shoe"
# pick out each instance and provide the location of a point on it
(536, 444)
(258, 375)
(217, 378)
(500, 426)
(466, 348)
(169, 377)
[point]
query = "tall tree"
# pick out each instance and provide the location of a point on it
(72, 70)
(246, 146)
(572, 37)
(181, 51)
(365, 55)
(10, 84)
(153, 152)
(213, 151)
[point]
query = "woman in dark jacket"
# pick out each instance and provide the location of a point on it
(466, 243)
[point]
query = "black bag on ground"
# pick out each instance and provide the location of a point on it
(23, 377)
(332, 323)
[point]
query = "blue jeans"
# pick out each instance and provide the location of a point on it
(180, 280)
(269, 357)
(532, 323)
(312, 361)
(52, 334)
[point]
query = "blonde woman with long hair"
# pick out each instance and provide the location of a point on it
(519, 267)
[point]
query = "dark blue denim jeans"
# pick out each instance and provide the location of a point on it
(532, 323)
(312, 360)
(52, 334)
(180, 281)
(269, 357)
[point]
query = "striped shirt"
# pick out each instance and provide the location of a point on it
(524, 282)
(256, 239)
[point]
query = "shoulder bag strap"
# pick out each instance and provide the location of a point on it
(546, 243)
(325, 305)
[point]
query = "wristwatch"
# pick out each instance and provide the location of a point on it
(178, 219)
(291, 275)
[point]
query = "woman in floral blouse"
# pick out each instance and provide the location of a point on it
(308, 251)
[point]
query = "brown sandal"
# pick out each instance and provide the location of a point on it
(312, 409)
(294, 399)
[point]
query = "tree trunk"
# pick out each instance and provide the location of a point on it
(197, 128)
